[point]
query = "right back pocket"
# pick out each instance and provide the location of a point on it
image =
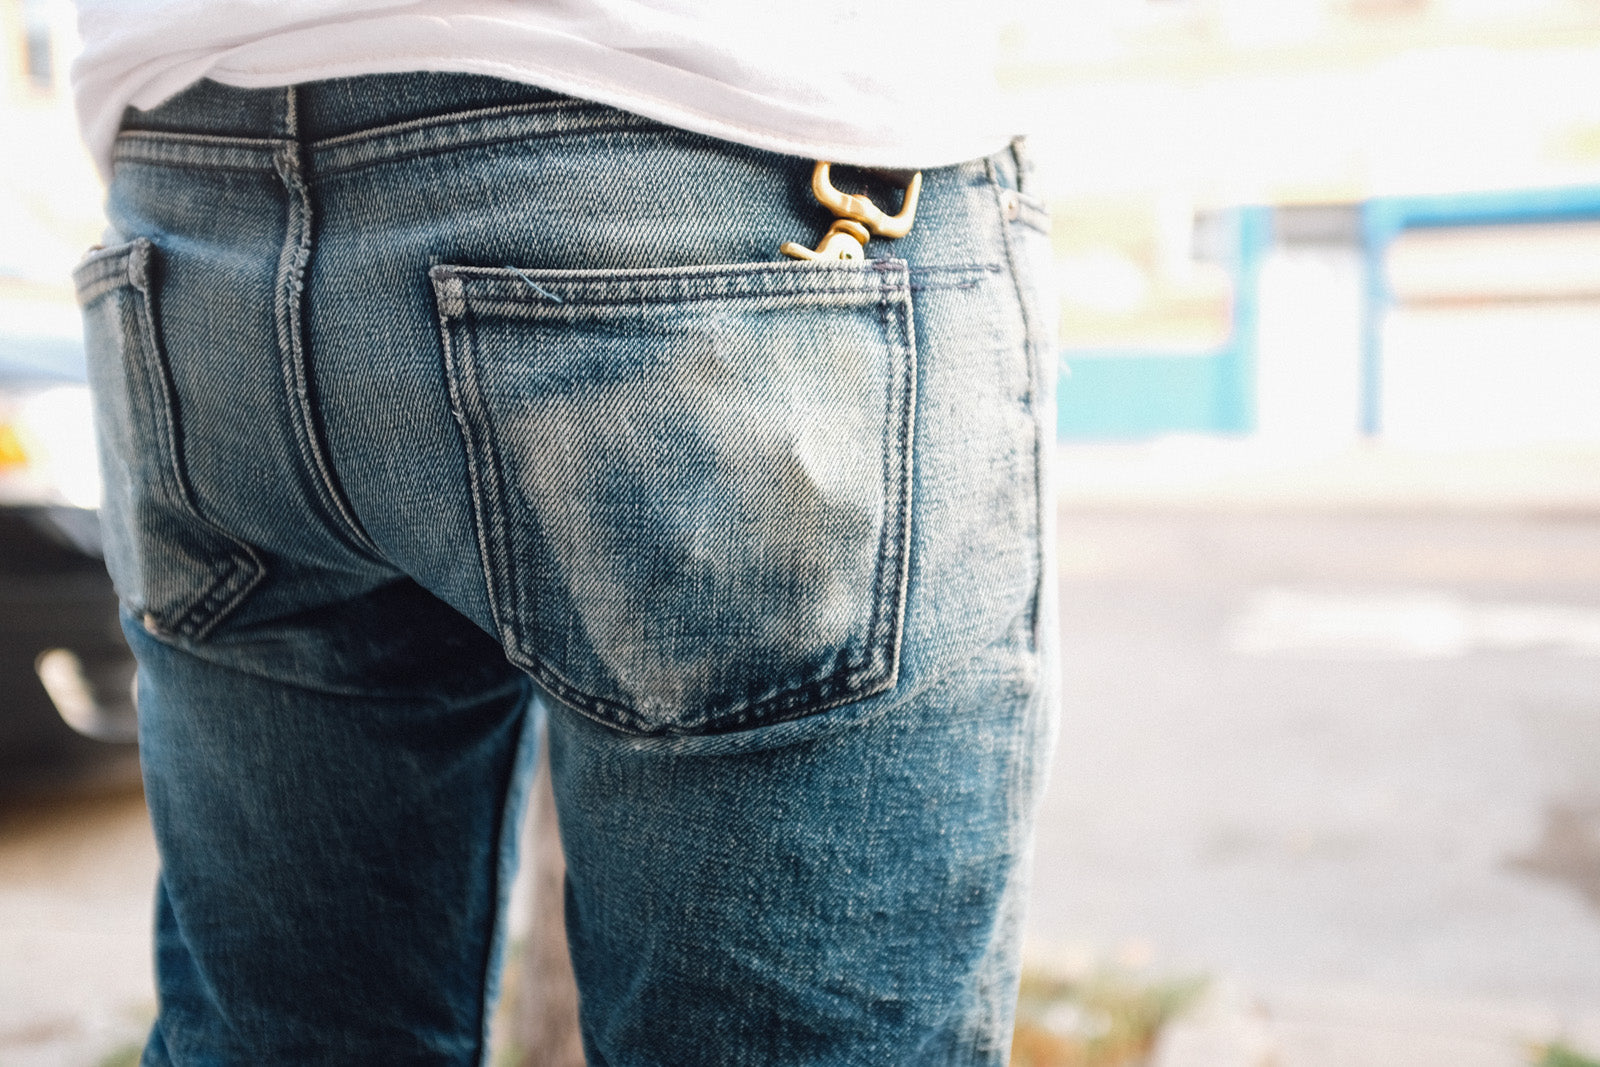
(692, 485)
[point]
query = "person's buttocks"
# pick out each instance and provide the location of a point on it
(444, 415)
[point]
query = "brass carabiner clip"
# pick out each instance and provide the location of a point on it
(845, 239)
(857, 219)
(862, 209)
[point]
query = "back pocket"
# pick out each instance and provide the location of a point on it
(692, 485)
(173, 568)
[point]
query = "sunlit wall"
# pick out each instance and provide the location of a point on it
(1155, 120)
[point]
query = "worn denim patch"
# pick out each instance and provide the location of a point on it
(691, 485)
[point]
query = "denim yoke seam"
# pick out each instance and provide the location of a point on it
(244, 569)
(290, 300)
(877, 673)
(1031, 333)
(475, 128)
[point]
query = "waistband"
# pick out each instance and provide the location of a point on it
(349, 122)
(317, 111)
(346, 123)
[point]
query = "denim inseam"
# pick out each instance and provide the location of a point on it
(430, 405)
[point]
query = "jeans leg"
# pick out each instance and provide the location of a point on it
(849, 900)
(335, 797)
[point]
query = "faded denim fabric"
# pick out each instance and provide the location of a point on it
(433, 407)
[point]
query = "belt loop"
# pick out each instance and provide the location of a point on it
(291, 113)
(1023, 163)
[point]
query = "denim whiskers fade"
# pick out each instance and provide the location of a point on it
(435, 408)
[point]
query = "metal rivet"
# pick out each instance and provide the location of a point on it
(150, 624)
(1010, 204)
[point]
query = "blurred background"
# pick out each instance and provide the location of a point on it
(1328, 786)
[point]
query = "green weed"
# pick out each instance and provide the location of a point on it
(126, 1056)
(1108, 1019)
(1559, 1055)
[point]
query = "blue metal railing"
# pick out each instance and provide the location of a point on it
(1142, 392)
(1385, 218)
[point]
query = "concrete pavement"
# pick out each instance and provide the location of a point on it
(1303, 753)
(77, 872)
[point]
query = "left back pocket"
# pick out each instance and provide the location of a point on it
(172, 567)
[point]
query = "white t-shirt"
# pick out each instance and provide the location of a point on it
(895, 83)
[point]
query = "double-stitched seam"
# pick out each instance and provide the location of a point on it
(900, 329)
(293, 348)
(105, 271)
(550, 108)
(1032, 334)
(486, 479)
(786, 281)
(809, 697)
(469, 129)
(242, 569)
(483, 475)
(622, 717)
(365, 147)
(560, 293)
(198, 150)
(972, 281)
(874, 673)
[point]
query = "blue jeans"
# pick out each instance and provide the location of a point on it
(433, 407)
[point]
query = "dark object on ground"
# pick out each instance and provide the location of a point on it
(58, 627)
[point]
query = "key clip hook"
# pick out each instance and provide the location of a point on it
(856, 218)
(862, 209)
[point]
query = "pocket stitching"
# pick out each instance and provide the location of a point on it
(461, 379)
(877, 672)
(241, 569)
(905, 339)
